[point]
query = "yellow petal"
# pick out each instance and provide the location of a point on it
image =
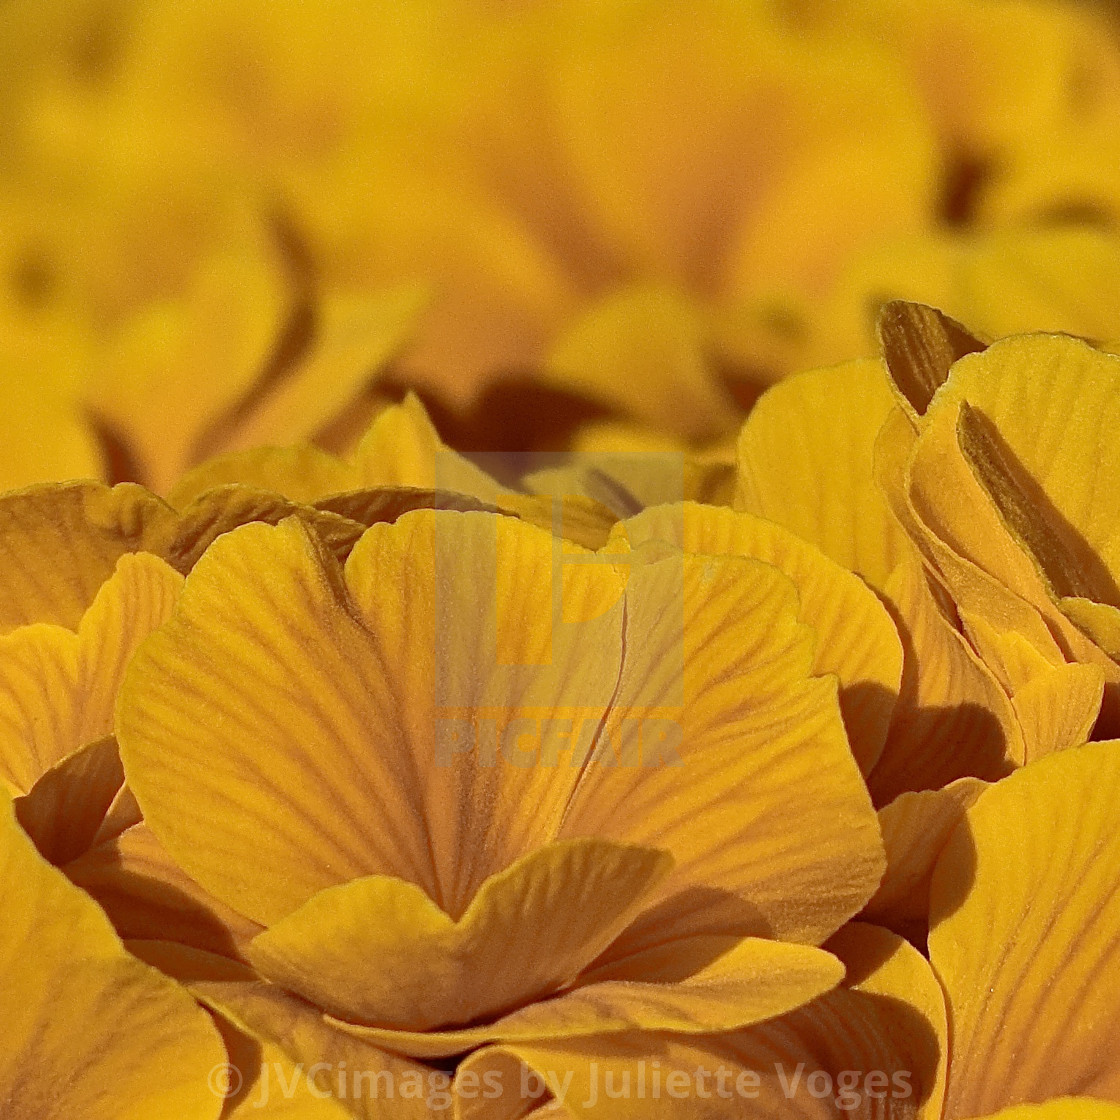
(60, 543)
(528, 932)
(46, 437)
(264, 1082)
(1017, 430)
(147, 895)
(357, 334)
(916, 827)
(1064, 1108)
(1024, 918)
(1055, 704)
(97, 1034)
(66, 807)
(806, 457)
(855, 638)
(642, 352)
(743, 982)
(301, 473)
(226, 507)
(403, 448)
(58, 689)
(887, 1021)
(919, 345)
(320, 1055)
(716, 717)
(572, 517)
(362, 722)
(899, 460)
(387, 503)
(1059, 707)
(953, 719)
(182, 367)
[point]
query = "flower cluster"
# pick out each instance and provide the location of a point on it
(384, 788)
(559, 560)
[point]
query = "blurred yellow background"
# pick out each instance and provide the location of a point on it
(225, 225)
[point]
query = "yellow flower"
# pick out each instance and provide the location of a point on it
(558, 781)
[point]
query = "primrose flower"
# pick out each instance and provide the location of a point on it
(1012, 1016)
(560, 781)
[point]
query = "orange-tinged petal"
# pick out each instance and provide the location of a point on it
(855, 637)
(715, 719)
(88, 1030)
(528, 933)
(60, 543)
(350, 704)
(806, 456)
(1025, 935)
(748, 981)
(916, 827)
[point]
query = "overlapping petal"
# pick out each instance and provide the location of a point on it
(89, 1030)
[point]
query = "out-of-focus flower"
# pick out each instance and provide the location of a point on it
(665, 246)
(89, 1030)
(1024, 954)
(422, 736)
(248, 355)
(1000, 283)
